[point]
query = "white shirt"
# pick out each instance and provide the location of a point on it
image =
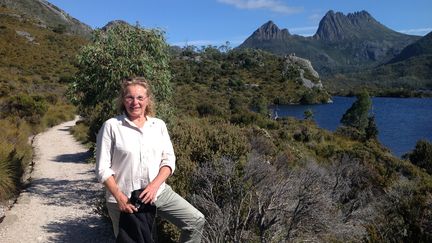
(133, 155)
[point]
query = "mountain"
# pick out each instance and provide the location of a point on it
(342, 43)
(270, 31)
(411, 68)
(34, 58)
(359, 25)
(48, 15)
(418, 48)
(407, 74)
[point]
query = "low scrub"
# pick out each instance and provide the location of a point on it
(15, 155)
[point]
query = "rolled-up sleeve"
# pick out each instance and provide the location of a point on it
(168, 156)
(103, 153)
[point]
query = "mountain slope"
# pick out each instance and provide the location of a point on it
(418, 48)
(34, 58)
(342, 43)
(48, 15)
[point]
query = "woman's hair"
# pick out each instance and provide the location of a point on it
(150, 109)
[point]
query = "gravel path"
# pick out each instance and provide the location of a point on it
(59, 204)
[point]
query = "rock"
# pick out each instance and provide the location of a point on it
(27, 35)
(304, 66)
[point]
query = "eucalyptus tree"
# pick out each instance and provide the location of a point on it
(116, 53)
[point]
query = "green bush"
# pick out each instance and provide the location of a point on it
(208, 110)
(120, 52)
(28, 107)
(349, 132)
(200, 141)
(7, 185)
(15, 155)
(80, 132)
(421, 155)
(58, 114)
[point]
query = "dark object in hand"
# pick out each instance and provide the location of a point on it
(138, 227)
(135, 200)
(142, 207)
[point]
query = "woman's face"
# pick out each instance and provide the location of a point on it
(135, 101)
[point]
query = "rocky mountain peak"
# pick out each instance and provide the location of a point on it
(270, 31)
(337, 26)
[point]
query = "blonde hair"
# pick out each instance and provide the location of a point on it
(150, 109)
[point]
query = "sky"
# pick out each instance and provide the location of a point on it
(214, 22)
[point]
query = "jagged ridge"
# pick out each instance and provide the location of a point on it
(341, 43)
(337, 26)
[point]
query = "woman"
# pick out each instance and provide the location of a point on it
(134, 151)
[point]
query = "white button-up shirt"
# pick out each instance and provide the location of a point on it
(133, 155)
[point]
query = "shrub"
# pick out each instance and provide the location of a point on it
(120, 52)
(422, 155)
(15, 154)
(58, 114)
(208, 110)
(30, 108)
(7, 184)
(349, 132)
(80, 132)
(199, 141)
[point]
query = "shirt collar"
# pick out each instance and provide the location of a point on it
(125, 119)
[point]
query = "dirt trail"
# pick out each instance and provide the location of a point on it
(59, 204)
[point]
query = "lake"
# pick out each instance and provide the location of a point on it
(401, 121)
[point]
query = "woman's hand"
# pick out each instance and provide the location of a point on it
(122, 200)
(124, 205)
(149, 193)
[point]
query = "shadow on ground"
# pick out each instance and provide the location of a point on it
(73, 158)
(89, 229)
(67, 192)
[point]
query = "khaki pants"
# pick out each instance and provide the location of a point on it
(176, 210)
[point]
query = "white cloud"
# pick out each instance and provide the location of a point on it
(272, 5)
(420, 31)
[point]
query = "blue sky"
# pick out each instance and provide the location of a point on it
(213, 22)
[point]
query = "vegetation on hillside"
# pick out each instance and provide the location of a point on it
(217, 81)
(257, 179)
(408, 78)
(35, 65)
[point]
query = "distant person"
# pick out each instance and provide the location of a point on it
(134, 151)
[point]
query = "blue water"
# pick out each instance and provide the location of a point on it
(401, 121)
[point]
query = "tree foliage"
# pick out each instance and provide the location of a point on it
(357, 115)
(372, 128)
(119, 52)
(422, 155)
